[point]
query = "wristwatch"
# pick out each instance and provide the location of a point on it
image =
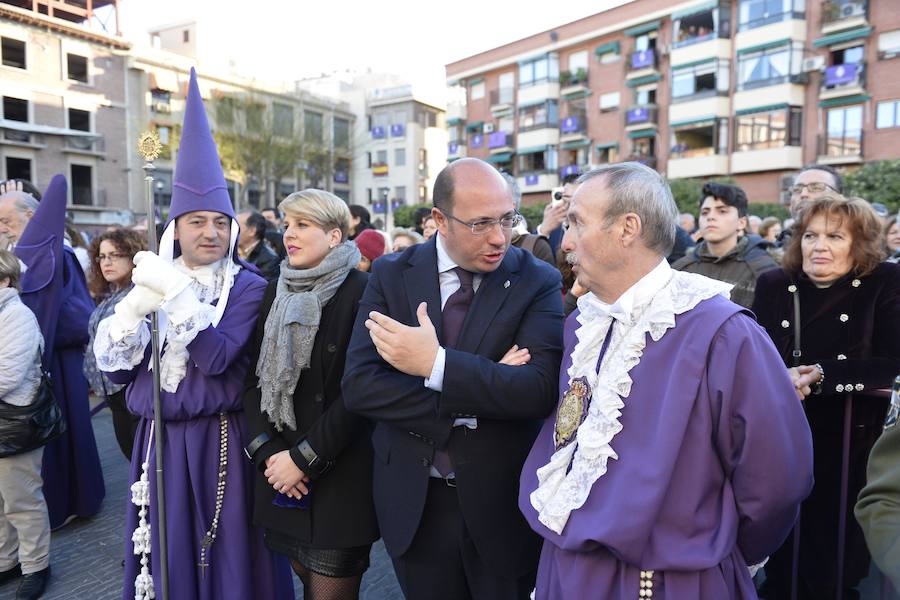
(315, 465)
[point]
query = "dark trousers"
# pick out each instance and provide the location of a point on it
(442, 562)
(125, 424)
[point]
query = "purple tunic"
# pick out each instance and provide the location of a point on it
(54, 288)
(715, 457)
(240, 564)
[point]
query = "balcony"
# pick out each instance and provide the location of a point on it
(379, 169)
(573, 83)
(641, 117)
(642, 63)
(843, 14)
(87, 144)
(843, 80)
(456, 112)
(502, 101)
(840, 148)
(572, 128)
(500, 141)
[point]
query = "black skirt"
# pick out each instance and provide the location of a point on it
(330, 562)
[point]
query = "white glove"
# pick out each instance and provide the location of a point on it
(158, 275)
(132, 309)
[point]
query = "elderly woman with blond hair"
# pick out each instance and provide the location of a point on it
(833, 313)
(313, 495)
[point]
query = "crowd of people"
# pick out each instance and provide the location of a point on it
(621, 402)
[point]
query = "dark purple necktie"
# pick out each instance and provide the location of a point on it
(452, 318)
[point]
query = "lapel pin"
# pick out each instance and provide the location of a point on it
(506, 283)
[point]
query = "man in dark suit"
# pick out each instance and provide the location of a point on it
(252, 245)
(454, 425)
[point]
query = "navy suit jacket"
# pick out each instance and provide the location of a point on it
(518, 303)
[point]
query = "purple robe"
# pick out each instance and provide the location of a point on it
(715, 457)
(54, 288)
(240, 566)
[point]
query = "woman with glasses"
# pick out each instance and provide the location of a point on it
(111, 255)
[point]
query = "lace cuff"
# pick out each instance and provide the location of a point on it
(187, 316)
(117, 349)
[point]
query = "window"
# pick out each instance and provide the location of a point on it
(312, 127)
(608, 154)
(576, 156)
(769, 66)
(456, 133)
(701, 26)
(423, 159)
(254, 117)
(770, 129)
(578, 109)
(701, 80)
(77, 67)
(538, 161)
(756, 13)
(888, 114)
(889, 44)
(18, 168)
(610, 101)
(645, 96)
(224, 109)
(399, 157)
(160, 96)
(381, 157)
(538, 116)
(283, 119)
(15, 109)
(609, 53)
(369, 196)
(578, 69)
(341, 133)
(644, 42)
(476, 91)
(165, 139)
(539, 70)
(13, 52)
(846, 56)
(844, 126)
(423, 194)
(507, 88)
(400, 194)
(700, 139)
(186, 36)
(82, 185)
(644, 149)
(79, 119)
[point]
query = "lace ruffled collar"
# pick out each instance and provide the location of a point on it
(565, 482)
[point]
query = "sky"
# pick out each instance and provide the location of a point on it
(285, 40)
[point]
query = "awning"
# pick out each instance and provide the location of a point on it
(765, 46)
(454, 121)
(576, 95)
(695, 9)
(164, 80)
(527, 103)
(475, 81)
(697, 121)
(531, 150)
(474, 125)
(844, 36)
(499, 158)
(641, 133)
(858, 98)
(575, 144)
(760, 109)
(606, 145)
(608, 48)
(643, 80)
(639, 29)
(695, 63)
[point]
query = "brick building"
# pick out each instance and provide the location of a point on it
(751, 89)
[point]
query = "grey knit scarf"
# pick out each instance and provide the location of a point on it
(291, 328)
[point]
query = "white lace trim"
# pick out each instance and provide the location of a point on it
(122, 355)
(562, 489)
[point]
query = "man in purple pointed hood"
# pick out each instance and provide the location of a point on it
(54, 288)
(208, 302)
(679, 452)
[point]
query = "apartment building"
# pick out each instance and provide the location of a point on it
(751, 89)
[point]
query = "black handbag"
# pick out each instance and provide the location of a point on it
(26, 428)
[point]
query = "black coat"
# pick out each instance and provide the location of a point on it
(852, 329)
(265, 260)
(341, 514)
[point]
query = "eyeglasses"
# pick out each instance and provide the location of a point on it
(816, 187)
(110, 257)
(486, 225)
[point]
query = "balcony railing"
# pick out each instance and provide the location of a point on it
(85, 144)
(379, 169)
(641, 115)
(844, 76)
(500, 139)
(573, 125)
(502, 96)
(834, 11)
(570, 78)
(642, 59)
(846, 144)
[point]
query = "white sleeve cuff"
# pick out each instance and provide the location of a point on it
(183, 306)
(436, 380)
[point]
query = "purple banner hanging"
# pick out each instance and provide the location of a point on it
(841, 74)
(397, 130)
(531, 179)
(498, 139)
(477, 141)
(569, 170)
(452, 148)
(569, 125)
(637, 115)
(378, 207)
(397, 203)
(341, 176)
(643, 59)
(378, 133)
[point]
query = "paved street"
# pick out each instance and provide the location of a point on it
(86, 555)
